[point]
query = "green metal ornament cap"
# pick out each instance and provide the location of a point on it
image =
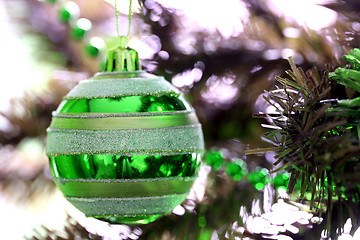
(122, 58)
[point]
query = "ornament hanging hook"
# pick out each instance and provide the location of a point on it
(122, 58)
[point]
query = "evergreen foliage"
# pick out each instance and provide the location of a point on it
(314, 129)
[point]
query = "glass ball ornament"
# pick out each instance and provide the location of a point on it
(124, 146)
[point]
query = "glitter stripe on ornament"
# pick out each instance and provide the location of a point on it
(120, 123)
(122, 87)
(129, 142)
(104, 207)
(106, 115)
(124, 187)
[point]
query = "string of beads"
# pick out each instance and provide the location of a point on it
(68, 14)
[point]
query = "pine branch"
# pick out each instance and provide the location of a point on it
(318, 135)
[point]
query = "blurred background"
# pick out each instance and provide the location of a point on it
(222, 54)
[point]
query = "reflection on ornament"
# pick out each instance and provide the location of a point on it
(124, 146)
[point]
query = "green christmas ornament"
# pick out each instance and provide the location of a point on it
(124, 146)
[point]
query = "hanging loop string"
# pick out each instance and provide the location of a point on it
(130, 13)
(123, 40)
(117, 21)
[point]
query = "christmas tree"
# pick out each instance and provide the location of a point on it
(281, 145)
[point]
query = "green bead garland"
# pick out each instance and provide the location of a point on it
(281, 180)
(95, 46)
(215, 159)
(259, 178)
(237, 170)
(80, 28)
(69, 12)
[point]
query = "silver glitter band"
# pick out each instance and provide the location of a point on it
(112, 88)
(124, 187)
(97, 207)
(106, 115)
(130, 142)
